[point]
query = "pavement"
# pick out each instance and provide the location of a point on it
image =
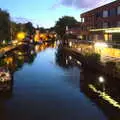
(6, 49)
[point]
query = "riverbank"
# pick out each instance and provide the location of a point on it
(92, 63)
(8, 49)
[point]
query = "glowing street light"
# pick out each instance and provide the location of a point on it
(21, 35)
(101, 79)
(70, 44)
(4, 41)
(70, 57)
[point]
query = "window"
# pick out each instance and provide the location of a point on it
(105, 13)
(99, 14)
(112, 12)
(118, 10)
(105, 25)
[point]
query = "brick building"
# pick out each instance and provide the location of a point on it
(102, 23)
(74, 30)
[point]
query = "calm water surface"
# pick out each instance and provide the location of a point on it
(48, 85)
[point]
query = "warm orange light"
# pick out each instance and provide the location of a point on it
(37, 38)
(21, 35)
(8, 60)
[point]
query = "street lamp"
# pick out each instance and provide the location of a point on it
(70, 44)
(102, 81)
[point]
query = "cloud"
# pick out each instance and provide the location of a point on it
(81, 4)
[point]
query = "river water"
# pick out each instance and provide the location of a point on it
(49, 84)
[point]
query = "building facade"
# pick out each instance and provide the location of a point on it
(102, 23)
(74, 30)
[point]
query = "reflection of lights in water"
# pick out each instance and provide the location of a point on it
(66, 61)
(58, 42)
(105, 96)
(55, 44)
(19, 53)
(8, 60)
(4, 76)
(20, 57)
(46, 44)
(37, 48)
(42, 47)
(78, 62)
(5, 55)
(31, 41)
(70, 57)
(101, 79)
(32, 52)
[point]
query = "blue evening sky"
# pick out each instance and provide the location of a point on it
(41, 12)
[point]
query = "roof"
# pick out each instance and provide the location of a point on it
(117, 2)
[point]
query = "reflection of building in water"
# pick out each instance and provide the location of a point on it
(104, 94)
(42, 47)
(65, 59)
(12, 62)
(6, 82)
(15, 59)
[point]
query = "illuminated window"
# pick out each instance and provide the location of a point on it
(105, 13)
(106, 37)
(110, 37)
(118, 10)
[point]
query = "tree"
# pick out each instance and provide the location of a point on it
(4, 25)
(42, 30)
(61, 24)
(16, 28)
(29, 28)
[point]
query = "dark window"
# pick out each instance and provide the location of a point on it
(99, 14)
(113, 12)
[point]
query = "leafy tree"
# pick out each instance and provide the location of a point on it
(4, 25)
(51, 29)
(15, 28)
(61, 24)
(29, 28)
(24, 27)
(42, 29)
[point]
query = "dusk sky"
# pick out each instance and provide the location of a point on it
(46, 12)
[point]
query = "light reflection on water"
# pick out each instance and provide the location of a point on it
(46, 87)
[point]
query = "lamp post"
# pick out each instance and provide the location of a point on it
(102, 81)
